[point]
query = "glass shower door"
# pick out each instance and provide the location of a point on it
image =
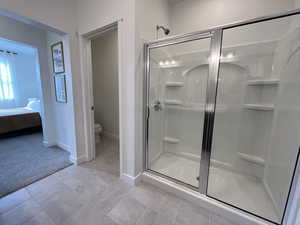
(256, 128)
(177, 80)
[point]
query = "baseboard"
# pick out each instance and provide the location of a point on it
(78, 160)
(48, 144)
(219, 208)
(130, 179)
(63, 146)
(269, 192)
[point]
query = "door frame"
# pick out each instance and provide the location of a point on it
(293, 200)
(85, 46)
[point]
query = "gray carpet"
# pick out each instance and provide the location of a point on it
(24, 159)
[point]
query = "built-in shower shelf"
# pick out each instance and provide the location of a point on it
(174, 84)
(196, 108)
(173, 102)
(171, 66)
(263, 82)
(259, 107)
(171, 140)
(252, 158)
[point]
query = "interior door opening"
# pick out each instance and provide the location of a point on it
(105, 85)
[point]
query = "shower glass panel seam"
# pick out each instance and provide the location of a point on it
(210, 104)
(145, 105)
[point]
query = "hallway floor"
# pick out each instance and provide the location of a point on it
(93, 194)
(239, 190)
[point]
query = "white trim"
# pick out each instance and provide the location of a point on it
(59, 144)
(85, 53)
(64, 146)
(130, 179)
(203, 201)
(48, 144)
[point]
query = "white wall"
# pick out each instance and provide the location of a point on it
(148, 15)
(63, 128)
(188, 16)
(105, 82)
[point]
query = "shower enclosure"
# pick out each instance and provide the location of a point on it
(222, 112)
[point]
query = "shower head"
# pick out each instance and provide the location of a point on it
(166, 30)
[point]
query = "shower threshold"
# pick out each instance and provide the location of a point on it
(239, 190)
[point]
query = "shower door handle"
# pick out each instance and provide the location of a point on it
(157, 106)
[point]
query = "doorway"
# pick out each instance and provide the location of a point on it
(221, 110)
(105, 109)
(24, 155)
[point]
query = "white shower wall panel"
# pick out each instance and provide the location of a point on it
(286, 129)
(186, 126)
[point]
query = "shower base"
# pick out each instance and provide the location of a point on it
(239, 190)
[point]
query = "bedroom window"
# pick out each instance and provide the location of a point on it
(6, 85)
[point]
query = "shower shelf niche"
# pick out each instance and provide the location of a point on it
(198, 108)
(171, 140)
(174, 84)
(259, 107)
(263, 82)
(173, 102)
(252, 158)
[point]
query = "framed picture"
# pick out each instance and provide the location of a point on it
(60, 88)
(58, 58)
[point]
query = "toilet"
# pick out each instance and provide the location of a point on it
(98, 130)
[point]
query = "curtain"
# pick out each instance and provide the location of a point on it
(7, 80)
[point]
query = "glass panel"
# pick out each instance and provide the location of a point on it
(257, 126)
(178, 77)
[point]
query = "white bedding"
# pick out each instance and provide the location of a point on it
(15, 111)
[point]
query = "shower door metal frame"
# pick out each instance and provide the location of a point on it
(215, 37)
(210, 104)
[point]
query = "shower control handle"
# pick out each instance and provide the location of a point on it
(157, 105)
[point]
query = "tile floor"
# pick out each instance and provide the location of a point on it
(236, 189)
(93, 194)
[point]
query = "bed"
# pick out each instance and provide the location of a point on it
(20, 119)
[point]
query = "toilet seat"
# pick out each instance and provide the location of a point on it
(98, 128)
